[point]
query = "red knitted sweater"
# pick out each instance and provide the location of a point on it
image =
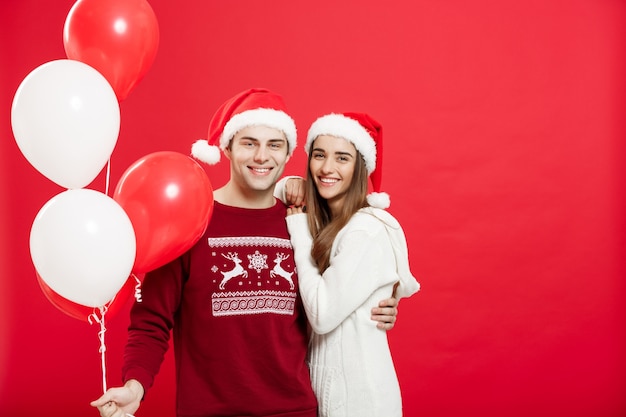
(239, 329)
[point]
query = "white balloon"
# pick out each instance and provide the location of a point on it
(66, 121)
(82, 244)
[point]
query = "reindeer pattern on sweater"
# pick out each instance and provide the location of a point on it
(253, 275)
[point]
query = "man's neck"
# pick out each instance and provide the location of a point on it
(233, 196)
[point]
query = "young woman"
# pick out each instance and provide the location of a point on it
(349, 253)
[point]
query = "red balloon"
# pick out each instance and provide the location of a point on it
(119, 38)
(169, 200)
(82, 312)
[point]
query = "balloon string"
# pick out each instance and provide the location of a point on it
(100, 320)
(106, 187)
(137, 289)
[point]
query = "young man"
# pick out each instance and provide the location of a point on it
(232, 302)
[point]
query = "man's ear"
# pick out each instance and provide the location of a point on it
(227, 152)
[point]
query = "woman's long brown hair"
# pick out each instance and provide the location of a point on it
(324, 228)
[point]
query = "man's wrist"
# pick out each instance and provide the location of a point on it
(136, 388)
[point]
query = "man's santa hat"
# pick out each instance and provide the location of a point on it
(253, 107)
(366, 134)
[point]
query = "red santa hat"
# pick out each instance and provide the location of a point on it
(253, 107)
(366, 134)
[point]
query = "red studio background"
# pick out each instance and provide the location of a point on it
(505, 128)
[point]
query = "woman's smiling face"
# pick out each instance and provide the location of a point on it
(332, 165)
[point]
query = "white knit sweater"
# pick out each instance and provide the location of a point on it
(352, 371)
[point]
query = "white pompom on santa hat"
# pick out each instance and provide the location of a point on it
(366, 134)
(252, 107)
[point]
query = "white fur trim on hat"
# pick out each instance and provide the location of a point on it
(202, 151)
(275, 119)
(346, 128)
(379, 200)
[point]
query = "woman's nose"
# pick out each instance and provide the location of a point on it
(328, 166)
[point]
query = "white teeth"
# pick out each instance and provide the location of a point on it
(328, 180)
(261, 170)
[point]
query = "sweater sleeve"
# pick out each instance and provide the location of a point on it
(151, 321)
(357, 269)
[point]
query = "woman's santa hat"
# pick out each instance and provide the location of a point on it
(366, 134)
(253, 107)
